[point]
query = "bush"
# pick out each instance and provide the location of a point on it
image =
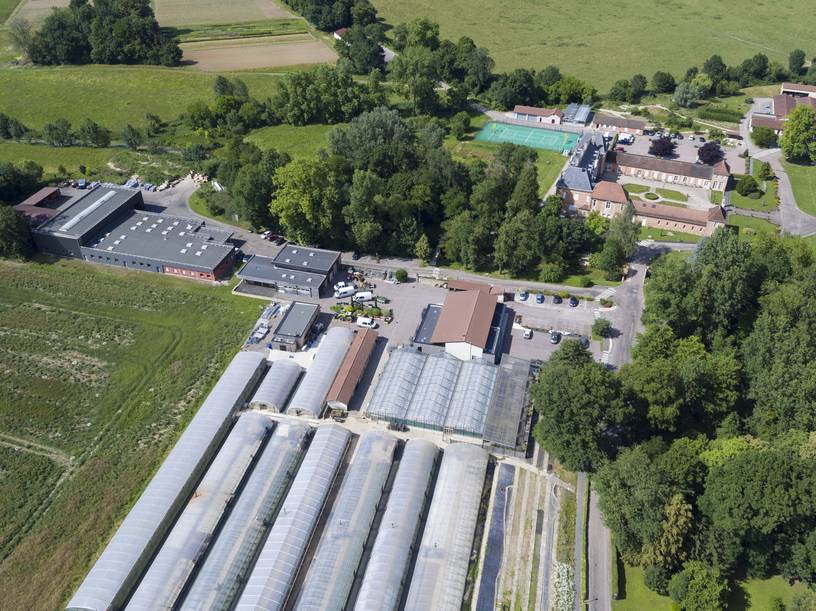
(552, 272)
(585, 282)
(657, 579)
(401, 275)
(601, 327)
(373, 312)
(607, 303)
(563, 294)
(747, 185)
(763, 137)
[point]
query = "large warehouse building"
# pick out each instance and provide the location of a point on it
(295, 270)
(108, 225)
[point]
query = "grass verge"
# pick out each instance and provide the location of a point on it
(672, 195)
(661, 235)
(803, 183)
(565, 551)
(749, 225)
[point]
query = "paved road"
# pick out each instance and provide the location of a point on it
(578, 554)
(599, 557)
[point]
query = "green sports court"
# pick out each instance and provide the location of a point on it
(536, 137)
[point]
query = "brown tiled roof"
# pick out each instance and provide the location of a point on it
(783, 104)
(352, 368)
(676, 213)
(797, 87)
(538, 112)
(31, 208)
(771, 122)
(469, 285)
(614, 121)
(669, 166)
(716, 214)
(465, 317)
(607, 190)
(721, 168)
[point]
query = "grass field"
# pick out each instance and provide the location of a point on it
(672, 195)
(803, 182)
(51, 158)
(297, 141)
(749, 224)
(661, 235)
(102, 368)
(6, 8)
(755, 594)
(111, 95)
(187, 12)
(520, 33)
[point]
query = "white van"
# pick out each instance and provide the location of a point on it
(344, 291)
(366, 323)
(363, 296)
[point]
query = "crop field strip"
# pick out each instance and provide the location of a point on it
(201, 33)
(170, 351)
(186, 12)
(255, 53)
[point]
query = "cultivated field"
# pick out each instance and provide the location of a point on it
(111, 95)
(34, 11)
(101, 370)
(255, 53)
(187, 12)
(616, 39)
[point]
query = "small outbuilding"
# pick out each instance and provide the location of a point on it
(294, 327)
(351, 371)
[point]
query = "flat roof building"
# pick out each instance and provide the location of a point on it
(294, 327)
(107, 225)
(295, 270)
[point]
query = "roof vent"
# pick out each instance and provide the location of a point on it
(311, 254)
(122, 237)
(183, 251)
(198, 253)
(189, 244)
(181, 233)
(110, 247)
(148, 230)
(288, 260)
(294, 251)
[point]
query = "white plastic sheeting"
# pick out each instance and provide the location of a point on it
(396, 386)
(160, 587)
(272, 577)
(230, 558)
(332, 571)
(311, 393)
(110, 579)
(471, 399)
(277, 385)
(440, 572)
(390, 558)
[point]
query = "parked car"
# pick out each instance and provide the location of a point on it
(702, 139)
(539, 297)
(691, 137)
(279, 241)
(528, 334)
(266, 234)
(391, 278)
(557, 299)
(366, 323)
(340, 285)
(361, 296)
(555, 336)
(584, 341)
(355, 256)
(573, 301)
(523, 295)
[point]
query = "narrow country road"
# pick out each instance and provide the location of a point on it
(599, 559)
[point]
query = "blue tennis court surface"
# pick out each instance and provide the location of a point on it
(536, 137)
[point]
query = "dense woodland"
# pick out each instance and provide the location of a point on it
(703, 447)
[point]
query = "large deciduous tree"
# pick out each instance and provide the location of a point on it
(798, 141)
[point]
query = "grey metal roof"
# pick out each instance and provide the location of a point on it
(155, 509)
(272, 577)
(162, 583)
(585, 163)
(303, 258)
(277, 385)
(297, 319)
(577, 113)
(91, 209)
(396, 385)
(440, 571)
(331, 573)
(230, 558)
(310, 395)
(507, 403)
(170, 239)
(263, 269)
(390, 558)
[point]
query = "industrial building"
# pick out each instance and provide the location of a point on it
(310, 396)
(295, 270)
(294, 327)
(332, 571)
(108, 225)
(473, 399)
(443, 557)
(388, 566)
(117, 569)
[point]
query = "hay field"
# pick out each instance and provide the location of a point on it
(206, 12)
(255, 53)
(616, 39)
(102, 368)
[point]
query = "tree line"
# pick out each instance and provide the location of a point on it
(703, 446)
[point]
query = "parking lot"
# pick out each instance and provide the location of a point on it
(686, 150)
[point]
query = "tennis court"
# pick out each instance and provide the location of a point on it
(536, 137)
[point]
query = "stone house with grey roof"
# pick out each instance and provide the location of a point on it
(585, 168)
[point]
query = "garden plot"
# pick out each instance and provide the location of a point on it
(188, 12)
(254, 53)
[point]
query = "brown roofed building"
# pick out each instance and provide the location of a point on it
(608, 199)
(624, 125)
(798, 89)
(41, 206)
(671, 171)
(675, 218)
(782, 105)
(469, 285)
(550, 116)
(464, 323)
(351, 370)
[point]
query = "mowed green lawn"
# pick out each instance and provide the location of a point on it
(110, 95)
(50, 158)
(803, 182)
(619, 38)
(300, 141)
(102, 370)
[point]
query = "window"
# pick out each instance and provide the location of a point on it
(608, 205)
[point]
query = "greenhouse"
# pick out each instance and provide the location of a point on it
(230, 558)
(271, 580)
(159, 589)
(109, 581)
(440, 392)
(277, 386)
(390, 559)
(336, 561)
(311, 394)
(441, 568)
